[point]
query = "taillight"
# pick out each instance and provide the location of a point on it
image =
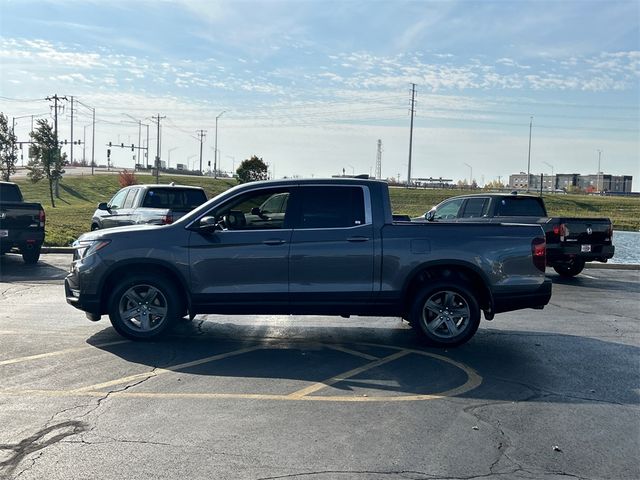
(42, 218)
(561, 230)
(539, 253)
(610, 232)
(167, 219)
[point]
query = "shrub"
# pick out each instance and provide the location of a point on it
(127, 178)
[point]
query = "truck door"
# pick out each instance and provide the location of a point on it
(246, 260)
(331, 255)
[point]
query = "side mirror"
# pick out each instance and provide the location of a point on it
(208, 224)
(430, 215)
(104, 206)
(256, 211)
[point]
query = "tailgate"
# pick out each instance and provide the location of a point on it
(594, 231)
(19, 216)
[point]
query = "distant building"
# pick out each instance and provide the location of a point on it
(602, 182)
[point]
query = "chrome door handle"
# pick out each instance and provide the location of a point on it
(357, 239)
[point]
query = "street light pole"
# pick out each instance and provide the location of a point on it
(215, 148)
(470, 174)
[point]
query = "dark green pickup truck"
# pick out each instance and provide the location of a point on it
(321, 247)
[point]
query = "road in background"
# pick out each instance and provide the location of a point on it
(535, 394)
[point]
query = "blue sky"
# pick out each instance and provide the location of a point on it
(311, 86)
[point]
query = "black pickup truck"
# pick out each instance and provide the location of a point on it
(570, 241)
(21, 223)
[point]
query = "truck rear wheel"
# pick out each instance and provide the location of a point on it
(445, 314)
(569, 269)
(144, 307)
(31, 256)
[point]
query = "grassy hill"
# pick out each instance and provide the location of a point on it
(79, 196)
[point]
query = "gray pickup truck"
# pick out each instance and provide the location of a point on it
(326, 247)
(154, 204)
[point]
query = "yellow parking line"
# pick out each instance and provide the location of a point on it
(58, 352)
(160, 371)
(351, 373)
(340, 348)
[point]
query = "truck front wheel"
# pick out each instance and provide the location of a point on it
(569, 269)
(144, 307)
(445, 314)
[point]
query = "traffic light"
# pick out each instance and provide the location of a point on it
(109, 144)
(122, 145)
(108, 152)
(65, 141)
(132, 149)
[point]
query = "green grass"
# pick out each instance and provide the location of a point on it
(79, 196)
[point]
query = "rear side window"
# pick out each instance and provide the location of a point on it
(475, 207)
(331, 207)
(10, 193)
(520, 207)
(128, 202)
(174, 198)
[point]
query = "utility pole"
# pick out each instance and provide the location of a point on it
(215, 148)
(413, 102)
(598, 176)
(71, 159)
(55, 99)
(201, 135)
(379, 161)
(157, 162)
(529, 156)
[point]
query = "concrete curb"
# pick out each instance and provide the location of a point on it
(605, 266)
(613, 266)
(68, 250)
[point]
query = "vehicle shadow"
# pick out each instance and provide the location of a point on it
(513, 365)
(13, 269)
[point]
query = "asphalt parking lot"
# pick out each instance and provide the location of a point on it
(548, 394)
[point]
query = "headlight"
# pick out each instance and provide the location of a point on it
(84, 248)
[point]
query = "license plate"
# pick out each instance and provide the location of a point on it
(4, 233)
(585, 248)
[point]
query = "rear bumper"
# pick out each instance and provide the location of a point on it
(507, 302)
(22, 239)
(567, 252)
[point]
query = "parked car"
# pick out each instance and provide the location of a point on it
(148, 204)
(570, 241)
(334, 249)
(21, 223)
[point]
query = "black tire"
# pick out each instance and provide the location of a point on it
(30, 256)
(94, 227)
(445, 313)
(143, 307)
(570, 269)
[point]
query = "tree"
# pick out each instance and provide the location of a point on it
(8, 155)
(252, 170)
(46, 158)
